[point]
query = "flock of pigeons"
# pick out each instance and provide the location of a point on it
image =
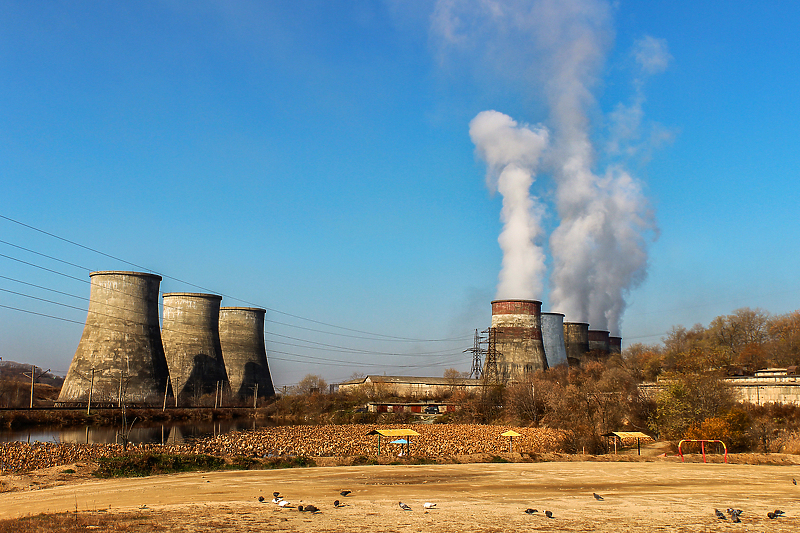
(278, 500)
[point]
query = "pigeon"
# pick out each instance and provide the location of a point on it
(404, 506)
(794, 481)
(336, 503)
(277, 500)
(429, 505)
(307, 508)
(530, 511)
(777, 513)
(771, 515)
(735, 518)
(261, 498)
(719, 514)
(276, 495)
(283, 503)
(548, 514)
(597, 497)
(345, 492)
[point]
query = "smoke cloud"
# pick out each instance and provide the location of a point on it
(558, 49)
(512, 153)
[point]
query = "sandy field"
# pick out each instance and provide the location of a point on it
(638, 496)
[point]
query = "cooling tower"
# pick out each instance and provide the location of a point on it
(191, 343)
(241, 334)
(553, 338)
(598, 342)
(121, 343)
(518, 334)
(576, 341)
(614, 345)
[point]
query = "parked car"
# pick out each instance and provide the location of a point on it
(431, 410)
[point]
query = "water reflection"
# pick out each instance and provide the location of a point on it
(166, 433)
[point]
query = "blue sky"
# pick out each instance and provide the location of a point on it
(314, 158)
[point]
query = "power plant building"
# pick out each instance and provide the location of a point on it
(576, 341)
(553, 339)
(120, 356)
(192, 344)
(241, 335)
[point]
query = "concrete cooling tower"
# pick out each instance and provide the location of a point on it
(614, 345)
(518, 334)
(598, 342)
(553, 338)
(191, 343)
(576, 341)
(120, 355)
(241, 334)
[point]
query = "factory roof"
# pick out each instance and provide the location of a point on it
(412, 379)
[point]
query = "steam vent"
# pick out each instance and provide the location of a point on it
(553, 338)
(518, 328)
(241, 334)
(576, 341)
(119, 356)
(191, 342)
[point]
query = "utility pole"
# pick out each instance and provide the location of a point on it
(491, 375)
(216, 396)
(34, 377)
(91, 389)
(166, 390)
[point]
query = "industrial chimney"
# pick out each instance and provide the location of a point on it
(576, 340)
(120, 356)
(191, 343)
(518, 333)
(553, 338)
(598, 342)
(241, 334)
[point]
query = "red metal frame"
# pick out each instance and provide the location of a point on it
(702, 446)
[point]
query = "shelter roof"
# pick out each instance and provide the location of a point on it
(627, 435)
(394, 432)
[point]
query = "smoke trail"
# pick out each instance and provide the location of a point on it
(559, 47)
(512, 153)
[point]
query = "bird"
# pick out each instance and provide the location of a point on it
(778, 512)
(548, 514)
(345, 492)
(735, 518)
(771, 515)
(308, 508)
(719, 514)
(404, 506)
(530, 511)
(429, 505)
(597, 497)
(261, 498)
(336, 503)
(276, 495)
(283, 503)
(794, 481)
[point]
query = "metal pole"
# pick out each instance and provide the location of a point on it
(91, 388)
(33, 378)
(166, 389)
(216, 396)
(255, 396)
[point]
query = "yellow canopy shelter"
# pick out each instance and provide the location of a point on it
(511, 434)
(408, 433)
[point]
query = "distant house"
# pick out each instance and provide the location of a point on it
(410, 386)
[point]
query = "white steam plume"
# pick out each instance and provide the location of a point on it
(559, 47)
(512, 153)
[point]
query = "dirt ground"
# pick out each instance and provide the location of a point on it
(638, 496)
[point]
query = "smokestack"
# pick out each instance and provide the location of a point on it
(614, 345)
(241, 335)
(553, 338)
(598, 342)
(576, 340)
(119, 356)
(518, 327)
(191, 342)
